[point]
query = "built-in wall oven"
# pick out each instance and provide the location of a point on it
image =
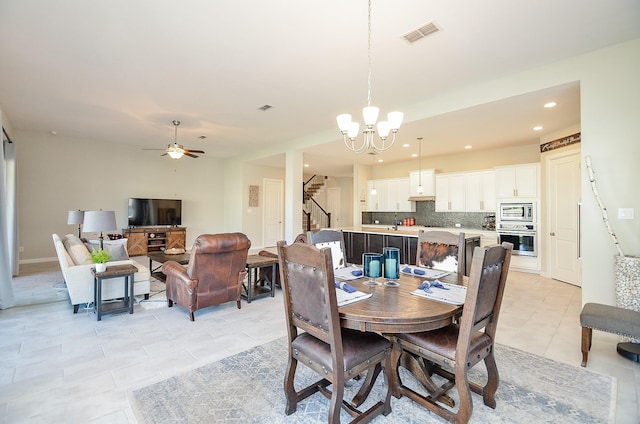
(517, 225)
(522, 236)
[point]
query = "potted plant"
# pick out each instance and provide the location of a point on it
(100, 258)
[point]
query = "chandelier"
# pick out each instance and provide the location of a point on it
(350, 129)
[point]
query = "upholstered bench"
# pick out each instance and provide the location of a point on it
(612, 319)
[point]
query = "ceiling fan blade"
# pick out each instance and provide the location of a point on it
(164, 154)
(193, 151)
(190, 155)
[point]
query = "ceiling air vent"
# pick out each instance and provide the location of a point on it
(421, 32)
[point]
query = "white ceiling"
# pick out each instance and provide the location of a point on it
(120, 71)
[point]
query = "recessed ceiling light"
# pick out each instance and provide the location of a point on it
(306, 165)
(468, 147)
(406, 145)
(415, 155)
(550, 104)
(537, 128)
(380, 160)
(52, 132)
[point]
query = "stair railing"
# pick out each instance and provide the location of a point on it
(313, 211)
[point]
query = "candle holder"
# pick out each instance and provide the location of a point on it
(391, 256)
(372, 264)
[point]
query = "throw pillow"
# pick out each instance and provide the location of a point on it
(117, 251)
(78, 252)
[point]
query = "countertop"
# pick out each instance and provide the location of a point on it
(414, 229)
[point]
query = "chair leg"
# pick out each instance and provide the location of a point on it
(238, 304)
(289, 389)
(493, 380)
(169, 303)
(586, 344)
(465, 407)
(336, 402)
(191, 316)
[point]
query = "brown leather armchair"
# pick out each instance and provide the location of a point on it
(216, 270)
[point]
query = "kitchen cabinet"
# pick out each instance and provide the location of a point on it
(450, 193)
(517, 181)
(428, 177)
(377, 202)
(480, 191)
(355, 244)
(392, 195)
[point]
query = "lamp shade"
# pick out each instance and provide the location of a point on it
(99, 221)
(75, 217)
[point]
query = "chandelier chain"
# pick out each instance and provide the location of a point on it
(369, 56)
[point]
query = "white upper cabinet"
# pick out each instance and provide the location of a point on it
(450, 193)
(480, 191)
(517, 181)
(392, 195)
(428, 183)
(377, 202)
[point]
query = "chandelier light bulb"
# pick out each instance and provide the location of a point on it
(420, 189)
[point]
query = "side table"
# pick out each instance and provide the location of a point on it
(254, 263)
(115, 271)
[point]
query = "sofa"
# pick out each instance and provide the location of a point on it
(75, 263)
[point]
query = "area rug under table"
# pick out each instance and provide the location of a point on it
(248, 388)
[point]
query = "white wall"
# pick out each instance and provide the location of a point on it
(57, 174)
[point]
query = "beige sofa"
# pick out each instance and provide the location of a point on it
(76, 265)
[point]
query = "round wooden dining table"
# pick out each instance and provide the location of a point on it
(396, 310)
(393, 310)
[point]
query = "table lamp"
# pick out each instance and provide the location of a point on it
(98, 222)
(76, 217)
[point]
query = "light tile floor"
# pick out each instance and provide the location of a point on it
(57, 367)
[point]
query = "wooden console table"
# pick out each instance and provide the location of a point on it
(144, 240)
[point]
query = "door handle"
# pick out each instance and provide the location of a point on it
(552, 234)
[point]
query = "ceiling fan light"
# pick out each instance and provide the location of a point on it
(420, 189)
(175, 154)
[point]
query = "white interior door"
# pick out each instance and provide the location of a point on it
(333, 206)
(273, 228)
(564, 196)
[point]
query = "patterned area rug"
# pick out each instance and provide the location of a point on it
(248, 388)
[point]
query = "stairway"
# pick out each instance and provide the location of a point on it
(314, 216)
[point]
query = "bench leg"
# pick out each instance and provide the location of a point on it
(586, 344)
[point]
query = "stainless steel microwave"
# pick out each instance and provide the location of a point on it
(521, 212)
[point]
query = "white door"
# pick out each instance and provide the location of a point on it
(273, 228)
(564, 196)
(333, 206)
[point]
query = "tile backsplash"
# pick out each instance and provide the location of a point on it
(426, 215)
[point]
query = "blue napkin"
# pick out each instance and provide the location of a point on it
(427, 284)
(346, 287)
(416, 271)
(356, 272)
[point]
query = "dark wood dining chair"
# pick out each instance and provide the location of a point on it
(329, 236)
(441, 250)
(336, 354)
(452, 351)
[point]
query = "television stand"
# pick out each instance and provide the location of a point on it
(144, 240)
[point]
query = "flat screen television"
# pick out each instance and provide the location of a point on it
(154, 212)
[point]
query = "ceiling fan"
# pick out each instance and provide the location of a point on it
(175, 150)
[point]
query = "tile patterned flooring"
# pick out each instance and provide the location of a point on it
(60, 367)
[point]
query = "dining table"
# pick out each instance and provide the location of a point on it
(393, 309)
